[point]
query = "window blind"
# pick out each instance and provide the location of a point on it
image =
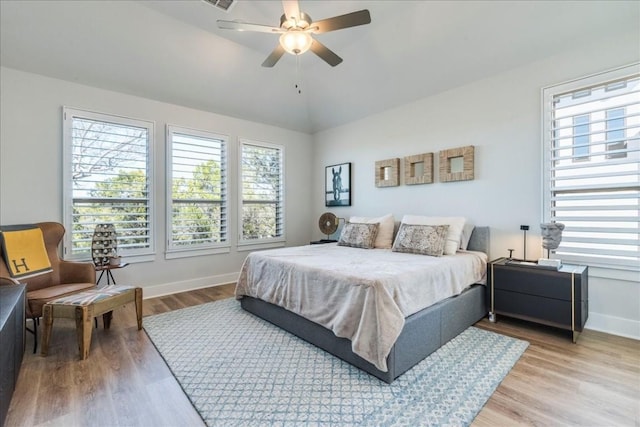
(108, 180)
(197, 187)
(592, 164)
(262, 198)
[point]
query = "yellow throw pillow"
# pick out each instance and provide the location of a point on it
(24, 252)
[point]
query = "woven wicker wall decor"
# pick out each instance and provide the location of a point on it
(418, 169)
(388, 173)
(457, 164)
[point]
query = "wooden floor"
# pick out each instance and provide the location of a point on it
(595, 382)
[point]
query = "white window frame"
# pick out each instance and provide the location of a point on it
(566, 254)
(250, 244)
(176, 251)
(68, 115)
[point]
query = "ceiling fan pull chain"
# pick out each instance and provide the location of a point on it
(298, 80)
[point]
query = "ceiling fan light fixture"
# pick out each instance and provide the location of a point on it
(295, 31)
(296, 42)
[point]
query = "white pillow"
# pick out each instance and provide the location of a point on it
(466, 236)
(384, 239)
(455, 223)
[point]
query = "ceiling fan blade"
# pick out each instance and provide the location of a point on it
(244, 26)
(274, 56)
(291, 9)
(353, 19)
(325, 53)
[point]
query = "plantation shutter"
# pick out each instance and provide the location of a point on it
(592, 164)
(197, 186)
(262, 191)
(109, 181)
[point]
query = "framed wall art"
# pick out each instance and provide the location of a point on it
(388, 173)
(418, 169)
(337, 185)
(456, 164)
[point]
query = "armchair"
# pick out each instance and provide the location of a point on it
(66, 278)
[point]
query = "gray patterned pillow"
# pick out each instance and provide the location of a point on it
(358, 235)
(421, 239)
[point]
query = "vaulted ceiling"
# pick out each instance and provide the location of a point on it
(172, 51)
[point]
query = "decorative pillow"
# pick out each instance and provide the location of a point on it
(24, 251)
(466, 236)
(384, 239)
(456, 224)
(421, 239)
(358, 235)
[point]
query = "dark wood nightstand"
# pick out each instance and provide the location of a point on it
(322, 241)
(558, 298)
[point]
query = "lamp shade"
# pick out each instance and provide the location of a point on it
(296, 41)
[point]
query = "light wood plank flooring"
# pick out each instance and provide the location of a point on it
(595, 382)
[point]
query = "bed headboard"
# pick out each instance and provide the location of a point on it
(479, 240)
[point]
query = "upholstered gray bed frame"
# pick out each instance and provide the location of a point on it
(423, 332)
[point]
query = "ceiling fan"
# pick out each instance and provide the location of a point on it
(295, 32)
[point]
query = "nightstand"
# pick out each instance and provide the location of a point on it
(322, 241)
(558, 298)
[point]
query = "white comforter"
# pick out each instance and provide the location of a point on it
(360, 294)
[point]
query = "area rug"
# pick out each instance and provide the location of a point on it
(240, 370)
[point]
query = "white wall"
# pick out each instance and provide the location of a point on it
(31, 169)
(501, 117)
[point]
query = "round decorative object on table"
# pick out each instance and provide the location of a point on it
(328, 223)
(104, 245)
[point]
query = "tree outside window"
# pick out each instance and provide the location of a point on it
(107, 168)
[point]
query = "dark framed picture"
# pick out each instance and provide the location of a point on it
(337, 185)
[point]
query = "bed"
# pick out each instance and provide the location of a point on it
(405, 334)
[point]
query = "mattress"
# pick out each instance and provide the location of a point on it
(359, 294)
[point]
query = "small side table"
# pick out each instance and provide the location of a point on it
(107, 268)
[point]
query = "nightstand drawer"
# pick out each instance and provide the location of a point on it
(549, 311)
(540, 282)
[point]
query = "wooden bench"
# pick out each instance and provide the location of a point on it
(84, 306)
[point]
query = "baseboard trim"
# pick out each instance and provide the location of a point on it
(614, 325)
(189, 285)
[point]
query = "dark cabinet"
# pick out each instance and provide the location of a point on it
(558, 298)
(11, 342)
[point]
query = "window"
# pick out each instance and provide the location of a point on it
(616, 140)
(581, 138)
(196, 189)
(107, 179)
(598, 197)
(261, 189)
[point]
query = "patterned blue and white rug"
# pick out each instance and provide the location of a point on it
(240, 370)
